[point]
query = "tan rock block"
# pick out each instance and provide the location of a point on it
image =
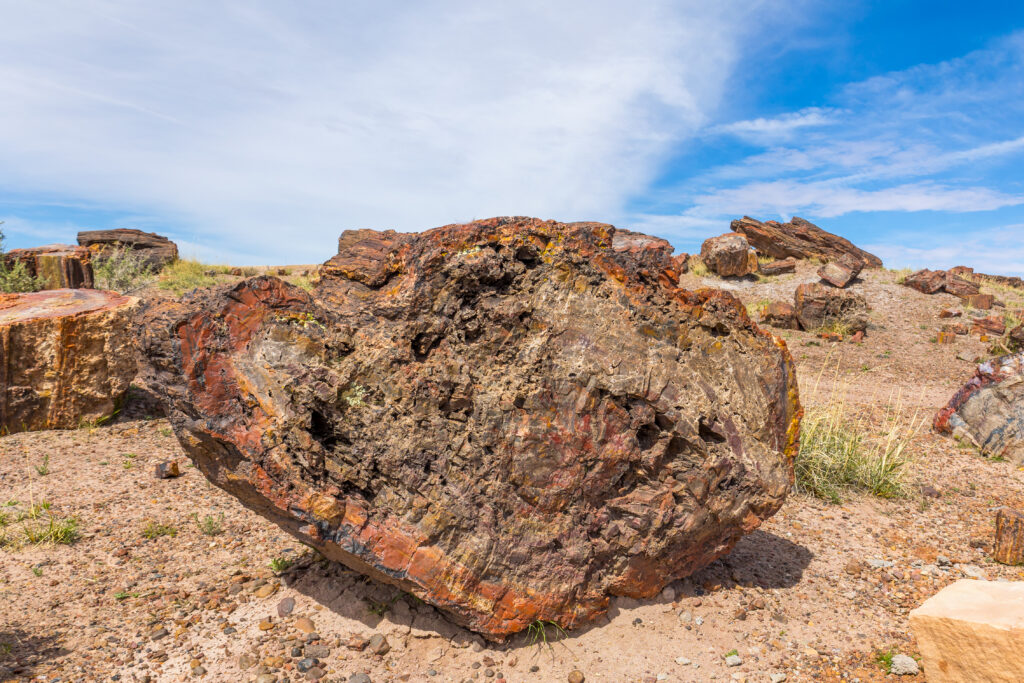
(972, 631)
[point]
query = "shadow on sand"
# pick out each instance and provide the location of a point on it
(21, 653)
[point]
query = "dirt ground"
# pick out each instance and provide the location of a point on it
(815, 594)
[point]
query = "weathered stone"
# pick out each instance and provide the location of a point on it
(926, 281)
(799, 239)
(58, 266)
(989, 409)
(167, 470)
(982, 302)
(950, 313)
(956, 328)
(1009, 545)
(841, 272)
(1017, 336)
(157, 250)
(500, 417)
(945, 337)
(778, 267)
(68, 357)
(780, 314)
(729, 255)
(972, 631)
(993, 324)
(817, 305)
(959, 286)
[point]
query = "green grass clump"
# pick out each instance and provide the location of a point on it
(697, 266)
(279, 564)
(35, 525)
(184, 275)
(835, 326)
(210, 525)
(156, 530)
(836, 456)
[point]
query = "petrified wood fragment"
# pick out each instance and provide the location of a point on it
(1009, 544)
(66, 356)
(512, 419)
(817, 306)
(729, 255)
(988, 410)
(842, 271)
(57, 266)
(799, 239)
(786, 265)
(156, 250)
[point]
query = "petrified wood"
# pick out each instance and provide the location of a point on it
(57, 266)
(1009, 544)
(156, 250)
(817, 305)
(66, 357)
(799, 239)
(988, 410)
(729, 255)
(512, 419)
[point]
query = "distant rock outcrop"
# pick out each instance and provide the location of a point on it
(729, 255)
(56, 266)
(512, 419)
(68, 357)
(157, 250)
(799, 239)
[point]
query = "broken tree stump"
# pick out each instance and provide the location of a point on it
(66, 357)
(57, 266)
(1009, 545)
(511, 419)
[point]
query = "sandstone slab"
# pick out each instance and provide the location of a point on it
(972, 631)
(729, 255)
(799, 239)
(988, 410)
(57, 266)
(512, 419)
(67, 357)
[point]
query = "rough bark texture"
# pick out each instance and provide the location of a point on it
(1009, 544)
(511, 419)
(989, 409)
(67, 356)
(843, 271)
(780, 314)
(58, 266)
(786, 265)
(729, 255)
(157, 250)
(818, 305)
(799, 239)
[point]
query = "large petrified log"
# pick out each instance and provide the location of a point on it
(817, 306)
(729, 255)
(57, 266)
(156, 250)
(512, 419)
(989, 409)
(66, 357)
(800, 239)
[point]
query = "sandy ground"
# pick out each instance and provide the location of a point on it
(799, 596)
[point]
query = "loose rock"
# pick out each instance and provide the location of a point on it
(729, 255)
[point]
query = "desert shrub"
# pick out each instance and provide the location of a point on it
(185, 275)
(697, 266)
(156, 530)
(210, 525)
(837, 456)
(15, 277)
(122, 270)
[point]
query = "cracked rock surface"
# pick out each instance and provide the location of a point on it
(511, 419)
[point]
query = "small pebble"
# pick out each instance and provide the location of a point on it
(577, 677)
(733, 660)
(285, 607)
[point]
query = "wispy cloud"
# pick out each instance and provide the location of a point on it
(256, 128)
(780, 127)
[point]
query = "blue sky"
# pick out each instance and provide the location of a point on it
(254, 132)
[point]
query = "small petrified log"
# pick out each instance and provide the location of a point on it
(982, 302)
(512, 419)
(778, 267)
(57, 266)
(817, 305)
(959, 286)
(926, 281)
(67, 357)
(157, 250)
(1009, 545)
(799, 239)
(729, 255)
(993, 324)
(843, 271)
(780, 314)
(988, 410)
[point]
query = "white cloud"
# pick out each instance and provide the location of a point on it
(995, 251)
(264, 129)
(779, 127)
